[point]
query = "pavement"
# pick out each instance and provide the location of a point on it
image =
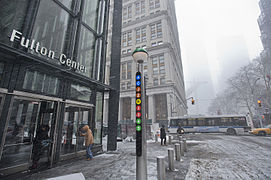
(209, 156)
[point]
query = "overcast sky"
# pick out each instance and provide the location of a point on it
(202, 24)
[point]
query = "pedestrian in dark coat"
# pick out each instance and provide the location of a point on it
(40, 144)
(163, 136)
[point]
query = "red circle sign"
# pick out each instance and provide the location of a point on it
(138, 114)
(138, 108)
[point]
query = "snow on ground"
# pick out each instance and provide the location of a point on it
(232, 157)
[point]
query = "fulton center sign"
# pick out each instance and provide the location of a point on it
(36, 47)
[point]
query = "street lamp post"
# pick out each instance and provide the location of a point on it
(141, 55)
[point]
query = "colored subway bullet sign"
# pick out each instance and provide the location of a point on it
(138, 115)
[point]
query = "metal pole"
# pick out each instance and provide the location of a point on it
(177, 152)
(141, 162)
(161, 169)
(171, 159)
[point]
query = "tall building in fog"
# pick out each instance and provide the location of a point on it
(264, 22)
(152, 25)
(232, 55)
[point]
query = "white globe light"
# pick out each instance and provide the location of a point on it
(140, 55)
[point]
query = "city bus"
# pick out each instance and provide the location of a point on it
(229, 124)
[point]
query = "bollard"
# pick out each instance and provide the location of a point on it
(161, 169)
(182, 149)
(171, 159)
(156, 138)
(185, 145)
(177, 152)
(169, 139)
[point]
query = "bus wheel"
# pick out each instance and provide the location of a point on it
(231, 131)
(262, 133)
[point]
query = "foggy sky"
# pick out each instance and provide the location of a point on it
(205, 29)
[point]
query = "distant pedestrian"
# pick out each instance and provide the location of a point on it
(163, 136)
(88, 141)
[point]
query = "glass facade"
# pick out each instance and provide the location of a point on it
(50, 61)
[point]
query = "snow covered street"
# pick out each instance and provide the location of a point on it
(231, 157)
(209, 156)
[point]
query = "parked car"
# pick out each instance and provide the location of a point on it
(262, 131)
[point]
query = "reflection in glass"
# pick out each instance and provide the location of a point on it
(67, 3)
(75, 119)
(20, 132)
(12, 15)
(69, 130)
(80, 92)
(2, 66)
(51, 27)
(86, 51)
(98, 118)
(39, 82)
(90, 14)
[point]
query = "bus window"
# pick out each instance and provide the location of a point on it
(240, 121)
(173, 122)
(210, 122)
(191, 122)
(201, 122)
(184, 122)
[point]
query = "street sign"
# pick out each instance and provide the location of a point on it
(138, 115)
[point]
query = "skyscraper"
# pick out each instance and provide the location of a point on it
(264, 22)
(152, 25)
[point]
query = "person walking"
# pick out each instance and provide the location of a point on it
(88, 141)
(163, 136)
(40, 144)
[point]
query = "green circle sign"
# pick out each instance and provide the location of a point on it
(138, 128)
(138, 121)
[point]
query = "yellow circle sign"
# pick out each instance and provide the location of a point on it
(138, 101)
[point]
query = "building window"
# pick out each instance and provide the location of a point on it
(155, 82)
(137, 8)
(159, 29)
(126, 113)
(156, 30)
(129, 38)
(143, 34)
(123, 51)
(129, 12)
(138, 36)
(123, 86)
(124, 39)
(154, 4)
(144, 46)
(79, 92)
(160, 42)
(162, 64)
(153, 44)
(40, 82)
(129, 85)
(123, 71)
(142, 7)
(129, 50)
(154, 65)
(162, 80)
(90, 13)
(129, 70)
(98, 118)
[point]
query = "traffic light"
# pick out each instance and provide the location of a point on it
(260, 103)
(138, 115)
(193, 102)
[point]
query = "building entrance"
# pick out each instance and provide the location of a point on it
(26, 117)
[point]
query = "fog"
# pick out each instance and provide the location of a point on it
(217, 37)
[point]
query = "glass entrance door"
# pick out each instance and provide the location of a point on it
(26, 116)
(75, 118)
(20, 133)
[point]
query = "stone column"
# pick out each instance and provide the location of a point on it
(120, 109)
(151, 108)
